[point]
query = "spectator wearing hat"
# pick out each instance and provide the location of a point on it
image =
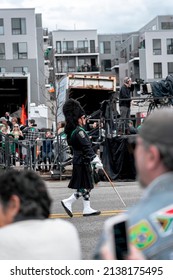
(150, 221)
(18, 135)
(4, 122)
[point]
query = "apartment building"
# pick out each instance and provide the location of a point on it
(148, 53)
(110, 52)
(75, 51)
(156, 48)
(21, 54)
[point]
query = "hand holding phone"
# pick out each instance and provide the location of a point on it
(117, 237)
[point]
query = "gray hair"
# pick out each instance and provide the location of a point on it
(166, 153)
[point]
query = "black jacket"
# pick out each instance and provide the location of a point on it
(82, 146)
(124, 94)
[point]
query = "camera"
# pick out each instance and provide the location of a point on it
(146, 88)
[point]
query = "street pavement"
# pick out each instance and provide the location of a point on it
(103, 197)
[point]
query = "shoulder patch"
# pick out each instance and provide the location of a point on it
(142, 235)
(163, 220)
(82, 134)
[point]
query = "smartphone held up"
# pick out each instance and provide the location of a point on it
(116, 230)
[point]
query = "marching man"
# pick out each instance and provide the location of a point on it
(83, 158)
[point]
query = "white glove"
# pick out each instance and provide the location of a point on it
(99, 165)
(97, 162)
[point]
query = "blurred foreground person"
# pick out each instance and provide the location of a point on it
(26, 233)
(83, 156)
(150, 221)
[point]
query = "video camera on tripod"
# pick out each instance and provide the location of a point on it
(161, 91)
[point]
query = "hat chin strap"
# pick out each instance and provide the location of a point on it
(81, 121)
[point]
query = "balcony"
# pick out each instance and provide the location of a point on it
(87, 68)
(77, 52)
(79, 69)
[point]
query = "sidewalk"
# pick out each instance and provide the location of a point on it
(55, 175)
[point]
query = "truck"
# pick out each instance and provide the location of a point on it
(14, 92)
(91, 90)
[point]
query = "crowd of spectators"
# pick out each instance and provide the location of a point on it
(26, 143)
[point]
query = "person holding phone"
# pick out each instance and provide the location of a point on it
(150, 221)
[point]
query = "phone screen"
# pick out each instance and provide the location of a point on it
(120, 240)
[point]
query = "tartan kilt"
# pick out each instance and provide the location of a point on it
(82, 177)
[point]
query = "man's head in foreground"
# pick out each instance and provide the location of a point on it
(23, 196)
(154, 146)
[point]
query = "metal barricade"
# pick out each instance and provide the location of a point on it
(36, 155)
(11, 152)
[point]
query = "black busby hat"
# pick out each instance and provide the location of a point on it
(73, 110)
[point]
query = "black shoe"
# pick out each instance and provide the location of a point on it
(67, 210)
(92, 214)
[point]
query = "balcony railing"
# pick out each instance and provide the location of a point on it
(82, 68)
(134, 54)
(76, 51)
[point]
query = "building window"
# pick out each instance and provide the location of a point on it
(166, 25)
(71, 64)
(2, 70)
(142, 44)
(170, 68)
(169, 43)
(105, 47)
(82, 46)
(20, 51)
(92, 46)
(130, 48)
(130, 52)
(68, 65)
(106, 65)
(2, 51)
(117, 45)
(18, 26)
(123, 54)
(68, 47)
(59, 65)
(157, 47)
(20, 69)
(1, 26)
(157, 70)
(45, 32)
(81, 61)
(58, 47)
